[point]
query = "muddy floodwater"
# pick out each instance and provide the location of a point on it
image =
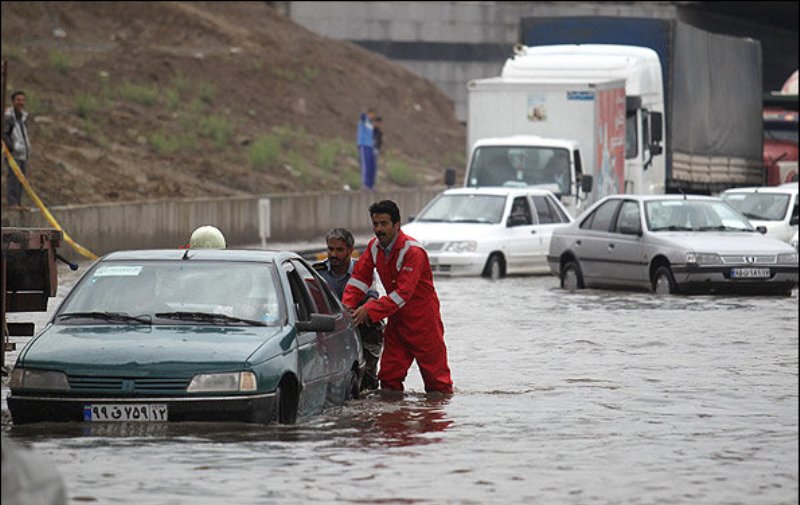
(595, 397)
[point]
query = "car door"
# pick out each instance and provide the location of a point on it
(592, 244)
(312, 358)
(548, 217)
(628, 262)
(522, 242)
(338, 346)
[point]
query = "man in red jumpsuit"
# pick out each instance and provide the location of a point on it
(414, 329)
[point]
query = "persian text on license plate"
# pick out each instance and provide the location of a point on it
(134, 412)
(749, 273)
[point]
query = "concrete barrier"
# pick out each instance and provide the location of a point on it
(107, 227)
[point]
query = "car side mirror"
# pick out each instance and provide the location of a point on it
(586, 183)
(630, 230)
(761, 229)
(450, 177)
(318, 323)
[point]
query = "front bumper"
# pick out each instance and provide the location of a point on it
(41, 408)
(457, 264)
(720, 279)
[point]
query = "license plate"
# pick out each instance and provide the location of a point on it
(117, 412)
(749, 273)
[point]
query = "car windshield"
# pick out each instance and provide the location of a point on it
(191, 292)
(759, 206)
(464, 209)
(521, 166)
(693, 215)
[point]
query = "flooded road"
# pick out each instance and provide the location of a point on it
(595, 397)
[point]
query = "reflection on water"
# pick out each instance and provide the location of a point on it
(591, 397)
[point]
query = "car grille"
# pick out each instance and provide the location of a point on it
(154, 385)
(739, 259)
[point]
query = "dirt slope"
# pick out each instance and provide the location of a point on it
(135, 100)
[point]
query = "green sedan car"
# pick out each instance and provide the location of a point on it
(190, 335)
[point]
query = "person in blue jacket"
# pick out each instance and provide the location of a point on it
(365, 141)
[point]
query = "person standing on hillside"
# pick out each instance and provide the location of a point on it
(414, 330)
(336, 271)
(16, 139)
(365, 141)
(377, 140)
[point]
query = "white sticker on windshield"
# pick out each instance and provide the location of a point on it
(117, 271)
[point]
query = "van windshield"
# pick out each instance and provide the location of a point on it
(521, 166)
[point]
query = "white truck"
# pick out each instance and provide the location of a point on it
(655, 106)
(560, 136)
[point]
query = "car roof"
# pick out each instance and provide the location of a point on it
(648, 198)
(498, 191)
(243, 255)
(526, 141)
(789, 188)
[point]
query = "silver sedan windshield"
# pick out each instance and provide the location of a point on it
(465, 209)
(693, 215)
(759, 206)
(231, 290)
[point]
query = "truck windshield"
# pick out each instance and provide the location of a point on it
(521, 166)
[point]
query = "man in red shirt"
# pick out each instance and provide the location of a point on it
(414, 329)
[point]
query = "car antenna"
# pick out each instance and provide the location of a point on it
(186, 254)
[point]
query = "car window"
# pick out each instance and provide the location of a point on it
(629, 217)
(600, 218)
(520, 212)
(300, 297)
(544, 211)
(315, 288)
(557, 210)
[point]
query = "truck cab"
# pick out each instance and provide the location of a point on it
(531, 161)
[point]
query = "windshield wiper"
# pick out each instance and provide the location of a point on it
(423, 220)
(208, 317)
(108, 316)
(480, 221)
(720, 227)
(672, 228)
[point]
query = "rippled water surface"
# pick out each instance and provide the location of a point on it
(596, 397)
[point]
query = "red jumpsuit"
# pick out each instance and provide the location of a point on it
(414, 329)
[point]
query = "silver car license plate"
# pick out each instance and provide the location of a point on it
(749, 273)
(129, 412)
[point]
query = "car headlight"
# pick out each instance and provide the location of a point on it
(223, 382)
(787, 258)
(703, 258)
(795, 244)
(461, 246)
(45, 380)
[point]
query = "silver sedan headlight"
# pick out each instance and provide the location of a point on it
(461, 246)
(703, 259)
(223, 382)
(787, 258)
(44, 380)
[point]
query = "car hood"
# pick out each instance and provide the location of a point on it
(446, 232)
(141, 347)
(725, 243)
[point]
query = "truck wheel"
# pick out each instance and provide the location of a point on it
(664, 282)
(494, 268)
(571, 277)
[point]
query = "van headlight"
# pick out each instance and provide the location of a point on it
(703, 259)
(42, 380)
(461, 246)
(223, 382)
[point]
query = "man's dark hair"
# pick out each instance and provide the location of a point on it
(18, 92)
(386, 207)
(341, 234)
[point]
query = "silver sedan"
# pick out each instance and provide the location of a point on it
(670, 244)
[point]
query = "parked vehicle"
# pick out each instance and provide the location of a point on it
(712, 134)
(488, 231)
(794, 242)
(670, 244)
(774, 207)
(173, 335)
(780, 133)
